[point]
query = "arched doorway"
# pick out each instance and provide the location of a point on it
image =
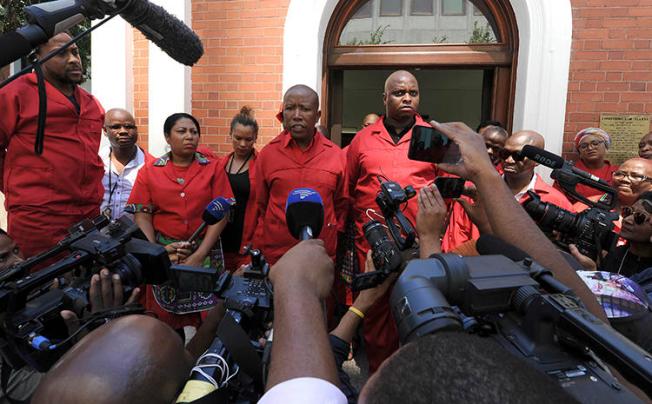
(463, 52)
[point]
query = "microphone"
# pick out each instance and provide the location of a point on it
(542, 157)
(492, 245)
(304, 213)
(214, 212)
(48, 19)
(165, 30)
(554, 161)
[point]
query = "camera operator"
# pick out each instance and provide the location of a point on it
(636, 254)
(105, 292)
(134, 359)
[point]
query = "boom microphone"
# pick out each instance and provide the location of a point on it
(304, 213)
(216, 210)
(165, 30)
(542, 157)
(554, 161)
(492, 245)
(48, 19)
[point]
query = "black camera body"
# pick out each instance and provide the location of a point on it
(249, 310)
(32, 331)
(591, 230)
(389, 255)
(551, 332)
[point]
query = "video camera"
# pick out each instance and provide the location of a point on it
(592, 229)
(31, 329)
(552, 332)
(388, 256)
(233, 368)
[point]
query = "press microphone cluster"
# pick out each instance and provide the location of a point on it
(216, 210)
(304, 213)
(48, 19)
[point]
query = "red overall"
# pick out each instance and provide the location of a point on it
(46, 194)
(281, 167)
(372, 153)
(176, 207)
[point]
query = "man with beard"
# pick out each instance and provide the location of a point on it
(299, 157)
(122, 160)
(381, 150)
(46, 194)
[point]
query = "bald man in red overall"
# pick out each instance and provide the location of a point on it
(46, 194)
(300, 157)
(381, 149)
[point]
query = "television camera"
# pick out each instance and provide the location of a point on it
(551, 331)
(592, 229)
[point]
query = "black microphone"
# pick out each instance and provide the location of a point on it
(542, 157)
(51, 18)
(554, 161)
(492, 245)
(214, 212)
(165, 30)
(304, 213)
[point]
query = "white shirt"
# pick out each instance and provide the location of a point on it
(304, 390)
(117, 187)
(530, 187)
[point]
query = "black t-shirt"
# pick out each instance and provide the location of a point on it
(392, 130)
(624, 262)
(232, 235)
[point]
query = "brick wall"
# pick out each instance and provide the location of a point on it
(242, 65)
(611, 61)
(141, 85)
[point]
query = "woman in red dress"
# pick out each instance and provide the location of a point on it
(168, 199)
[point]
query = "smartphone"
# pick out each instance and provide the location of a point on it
(430, 145)
(449, 187)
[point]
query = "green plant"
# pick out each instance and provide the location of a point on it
(12, 17)
(375, 38)
(481, 34)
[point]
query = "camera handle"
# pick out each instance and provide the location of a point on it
(404, 226)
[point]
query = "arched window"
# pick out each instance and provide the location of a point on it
(463, 53)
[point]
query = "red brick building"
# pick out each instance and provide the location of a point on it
(554, 66)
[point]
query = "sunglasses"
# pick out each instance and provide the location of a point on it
(504, 154)
(639, 217)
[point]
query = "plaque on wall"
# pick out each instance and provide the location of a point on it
(625, 131)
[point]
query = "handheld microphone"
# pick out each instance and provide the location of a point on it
(304, 213)
(48, 19)
(216, 210)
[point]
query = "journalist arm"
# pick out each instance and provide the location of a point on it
(507, 218)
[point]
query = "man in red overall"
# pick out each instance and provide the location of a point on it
(46, 194)
(300, 157)
(381, 149)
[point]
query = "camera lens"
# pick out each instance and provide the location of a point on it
(384, 252)
(129, 270)
(550, 217)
